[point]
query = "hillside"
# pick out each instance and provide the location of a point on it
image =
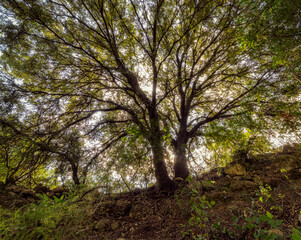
(257, 198)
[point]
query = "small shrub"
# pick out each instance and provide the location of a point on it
(198, 205)
(38, 221)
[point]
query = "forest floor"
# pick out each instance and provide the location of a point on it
(258, 198)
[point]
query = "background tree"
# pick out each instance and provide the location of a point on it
(20, 159)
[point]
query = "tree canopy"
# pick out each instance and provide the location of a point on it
(146, 82)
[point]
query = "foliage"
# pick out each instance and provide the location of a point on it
(277, 29)
(167, 76)
(296, 235)
(20, 159)
(198, 205)
(260, 232)
(238, 145)
(40, 220)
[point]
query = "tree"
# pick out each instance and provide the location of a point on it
(226, 73)
(26, 147)
(166, 69)
(19, 158)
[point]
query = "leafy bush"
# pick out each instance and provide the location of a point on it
(38, 221)
(198, 209)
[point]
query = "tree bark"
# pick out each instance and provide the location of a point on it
(156, 141)
(180, 165)
(161, 173)
(75, 177)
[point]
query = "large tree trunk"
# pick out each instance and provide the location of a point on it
(161, 173)
(156, 142)
(180, 164)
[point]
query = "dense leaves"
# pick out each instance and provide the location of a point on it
(143, 83)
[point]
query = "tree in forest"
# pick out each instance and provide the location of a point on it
(25, 148)
(19, 158)
(249, 62)
(160, 70)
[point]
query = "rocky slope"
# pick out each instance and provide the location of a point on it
(257, 198)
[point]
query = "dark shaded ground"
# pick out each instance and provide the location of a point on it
(151, 214)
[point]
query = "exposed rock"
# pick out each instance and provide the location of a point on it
(102, 224)
(11, 194)
(57, 192)
(212, 175)
(28, 193)
(224, 181)
(288, 162)
(14, 189)
(40, 188)
(237, 178)
(114, 225)
(235, 169)
(194, 185)
(248, 177)
(245, 184)
(275, 231)
(207, 185)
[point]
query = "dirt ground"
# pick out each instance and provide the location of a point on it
(249, 199)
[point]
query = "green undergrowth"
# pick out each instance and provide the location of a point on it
(47, 219)
(68, 217)
(259, 223)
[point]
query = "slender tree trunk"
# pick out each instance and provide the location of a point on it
(75, 177)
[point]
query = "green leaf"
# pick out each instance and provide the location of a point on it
(263, 218)
(278, 222)
(56, 200)
(296, 236)
(270, 215)
(250, 226)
